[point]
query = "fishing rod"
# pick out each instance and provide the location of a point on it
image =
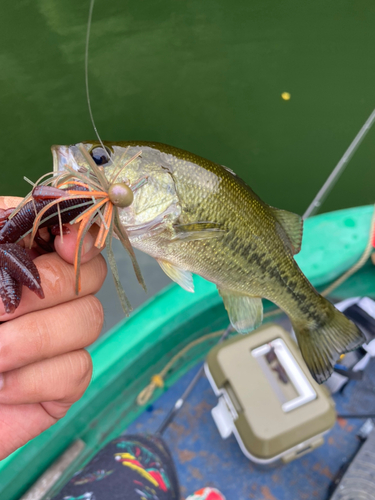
(311, 210)
(340, 167)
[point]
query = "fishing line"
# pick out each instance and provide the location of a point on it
(89, 22)
(340, 167)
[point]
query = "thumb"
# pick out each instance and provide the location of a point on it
(66, 245)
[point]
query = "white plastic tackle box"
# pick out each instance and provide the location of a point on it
(267, 397)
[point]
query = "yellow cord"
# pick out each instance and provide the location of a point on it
(158, 379)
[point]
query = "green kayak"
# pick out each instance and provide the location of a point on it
(131, 353)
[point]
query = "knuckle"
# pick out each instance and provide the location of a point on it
(96, 313)
(100, 272)
(82, 368)
(56, 409)
(78, 371)
(89, 316)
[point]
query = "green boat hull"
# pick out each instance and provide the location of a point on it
(127, 356)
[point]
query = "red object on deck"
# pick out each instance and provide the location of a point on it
(207, 494)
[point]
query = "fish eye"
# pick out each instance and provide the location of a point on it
(100, 155)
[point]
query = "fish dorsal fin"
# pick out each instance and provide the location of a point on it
(180, 276)
(293, 227)
(245, 312)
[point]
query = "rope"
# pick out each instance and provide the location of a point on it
(158, 379)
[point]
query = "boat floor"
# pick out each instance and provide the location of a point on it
(203, 459)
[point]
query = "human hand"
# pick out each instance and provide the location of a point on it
(44, 367)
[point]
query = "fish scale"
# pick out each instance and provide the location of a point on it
(196, 216)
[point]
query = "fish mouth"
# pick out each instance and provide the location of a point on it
(62, 156)
(67, 155)
(55, 157)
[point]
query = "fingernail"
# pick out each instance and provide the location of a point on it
(1, 381)
(88, 243)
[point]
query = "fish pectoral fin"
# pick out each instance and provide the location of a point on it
(197, 231)
(293, 227)
(180, 276)
(245, 312)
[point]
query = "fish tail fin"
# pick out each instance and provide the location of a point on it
(322, 345)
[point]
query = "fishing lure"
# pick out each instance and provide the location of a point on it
(68, 197)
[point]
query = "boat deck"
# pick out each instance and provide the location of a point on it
(204, 459)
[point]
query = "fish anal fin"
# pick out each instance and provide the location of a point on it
(245, 312)
(293, 227)
(197, 231)
(180, 276)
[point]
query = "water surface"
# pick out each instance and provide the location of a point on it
(203, 76)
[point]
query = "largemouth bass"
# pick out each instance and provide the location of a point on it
(195, 216)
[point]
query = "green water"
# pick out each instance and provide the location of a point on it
(204, 76)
